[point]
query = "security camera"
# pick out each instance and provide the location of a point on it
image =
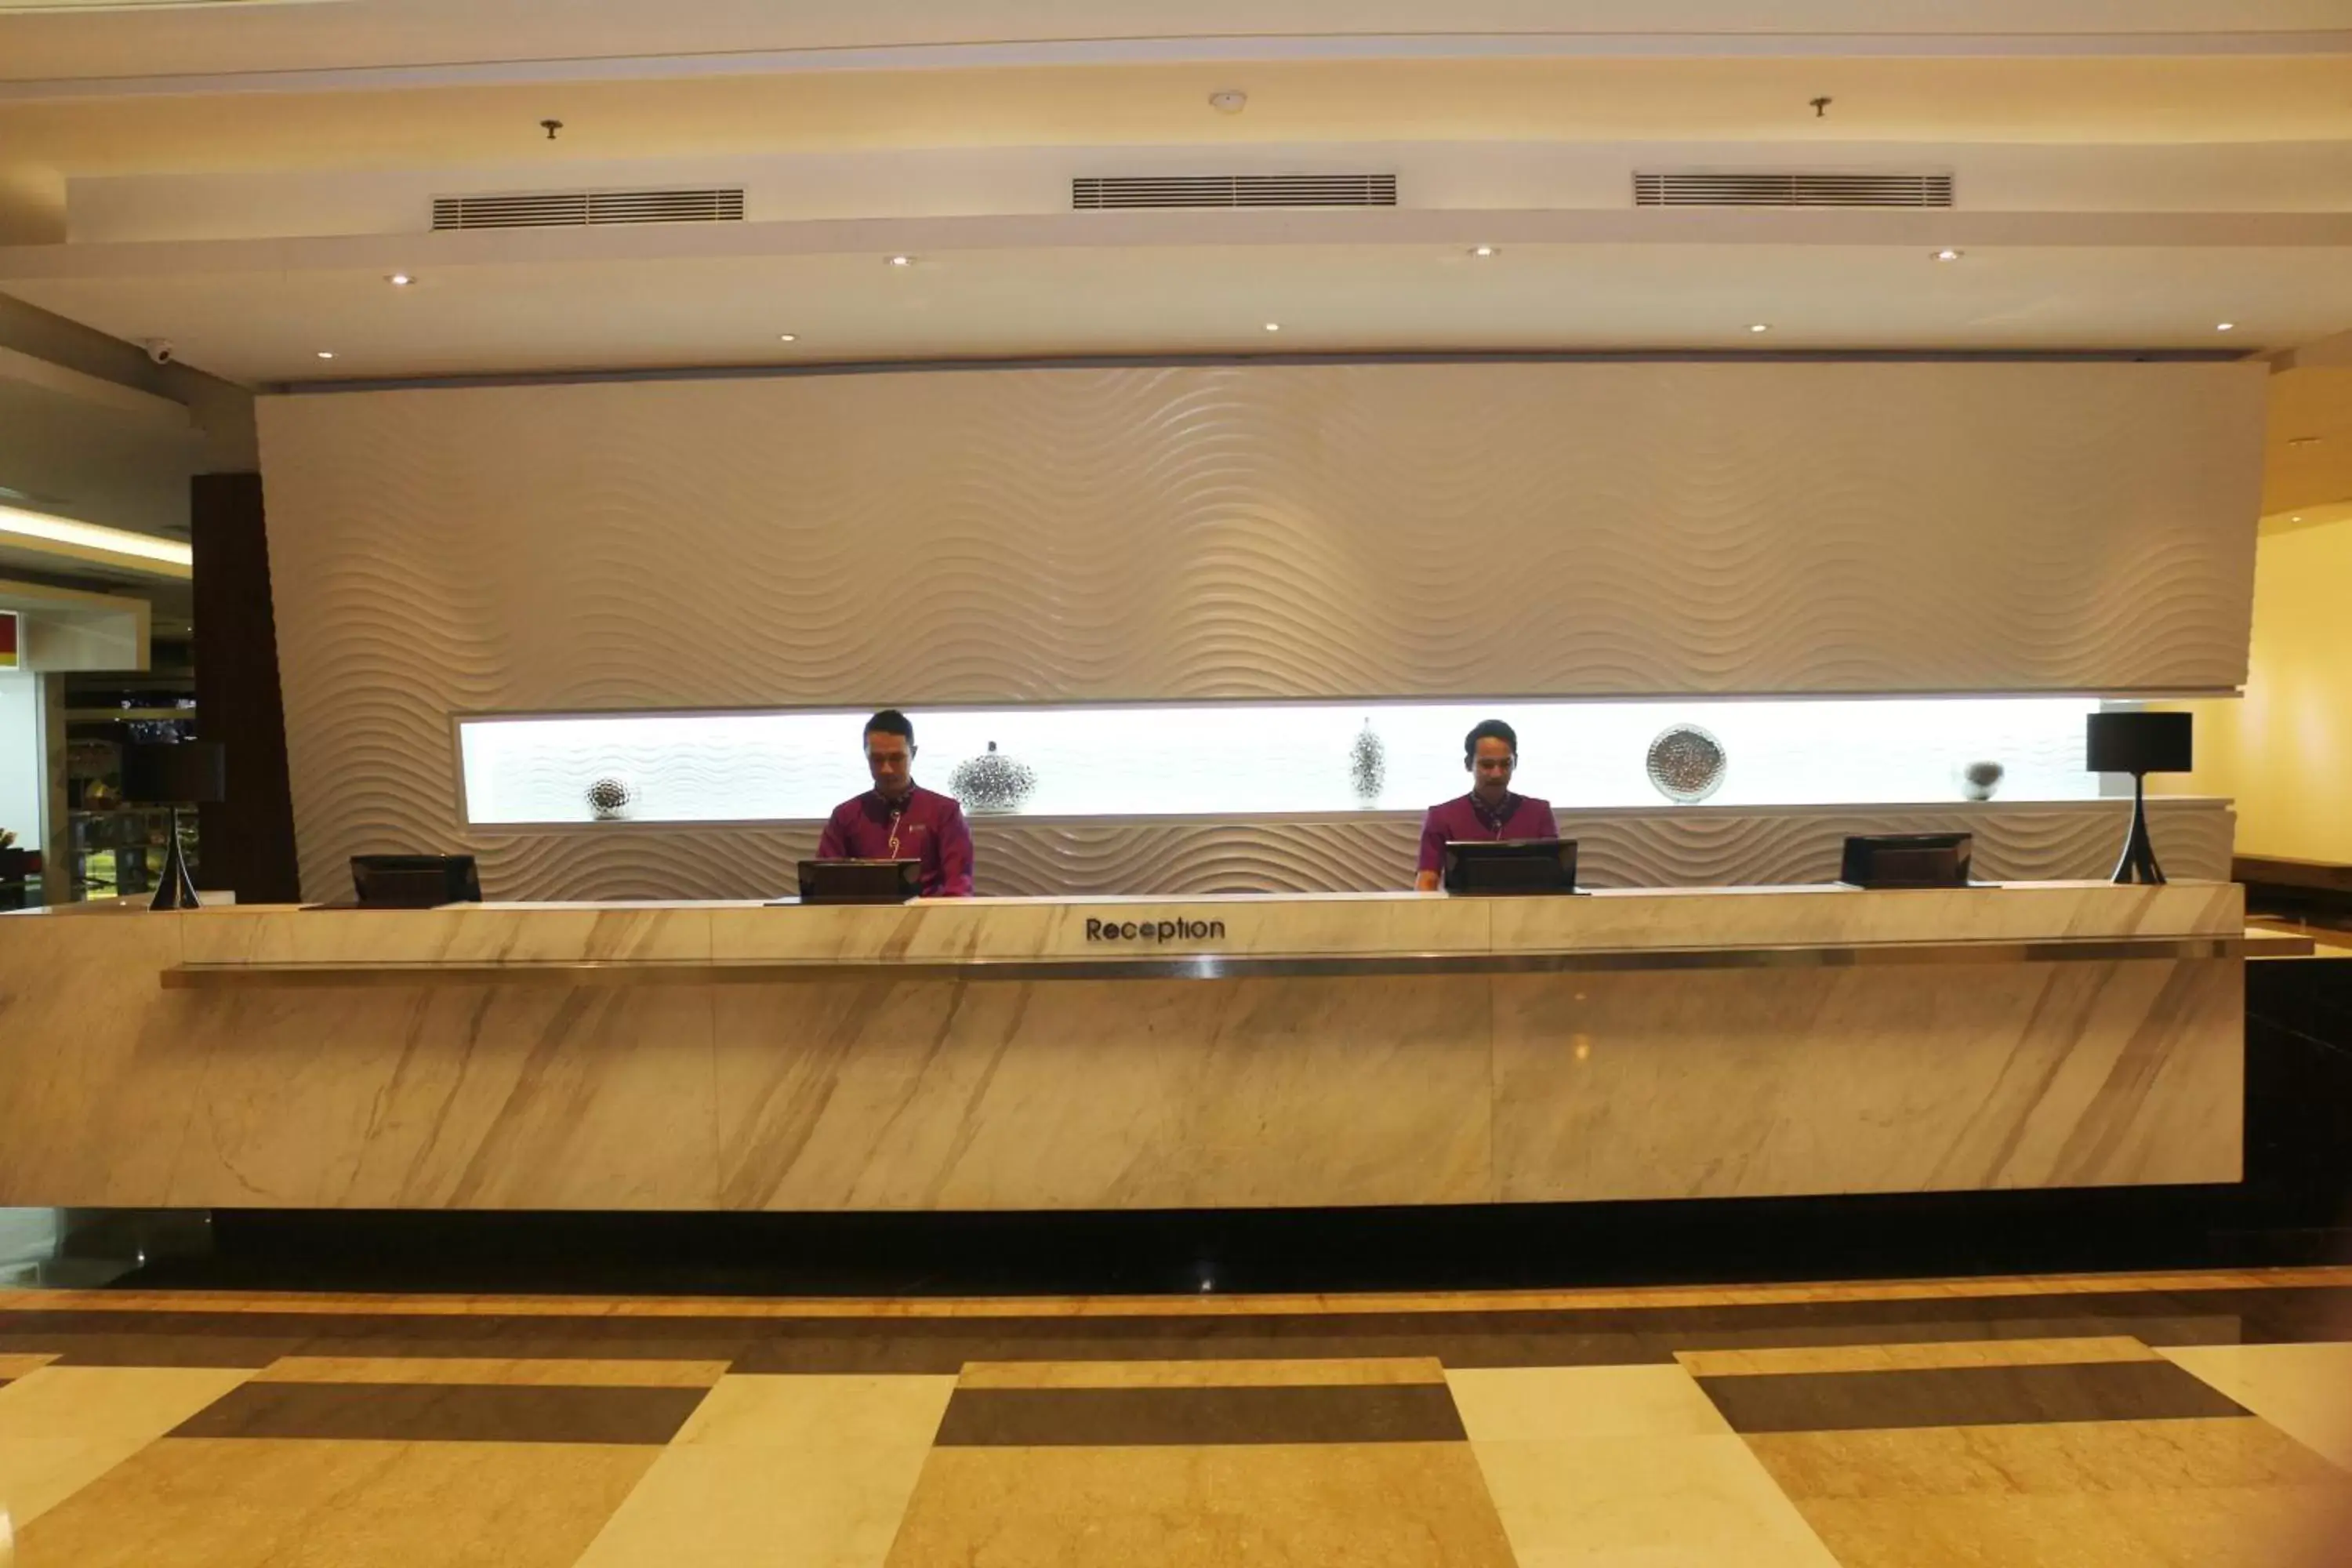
(160, 350)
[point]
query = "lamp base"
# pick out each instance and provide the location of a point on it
(175, 889)
(2138, 863)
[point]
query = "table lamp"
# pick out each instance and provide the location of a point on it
(2138, 743)
(188, 772)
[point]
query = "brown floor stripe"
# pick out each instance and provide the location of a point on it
(446, 1413)
(1964, 1397)
(1128, 1417)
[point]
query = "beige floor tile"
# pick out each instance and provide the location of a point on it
(1332, 1505)
(2059, 1458)
(481, 1371)
(1200, 1373)
(1661, 1502)
(1913, 1357)
(1538, 1404)
(62, 1428)
(2249, 1527)
(760, 1411)
(243, 1503)
(758, 1507)
(2305, 1391)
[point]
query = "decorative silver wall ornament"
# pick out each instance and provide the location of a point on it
(609, 799)
(1368, 764)
(991, 781)
(1979, 780)
(1687, 765)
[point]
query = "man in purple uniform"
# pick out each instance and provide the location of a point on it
(896, 820)
(1490, 810)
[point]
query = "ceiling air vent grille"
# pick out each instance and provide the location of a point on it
(573, 209)
(1752, 188)
(1102, 194)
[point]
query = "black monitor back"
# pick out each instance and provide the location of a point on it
(1907, 860)
(1511, 866)
(415, 881)
(860, 881)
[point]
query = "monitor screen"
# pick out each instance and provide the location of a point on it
(1511, 865)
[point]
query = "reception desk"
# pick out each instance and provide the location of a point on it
(1119, 1054)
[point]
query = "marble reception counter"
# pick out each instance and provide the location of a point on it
(1108, 1053)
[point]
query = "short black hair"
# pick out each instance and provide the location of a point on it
(890, 721)
(1489, 730)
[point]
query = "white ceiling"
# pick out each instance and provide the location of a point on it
(239, 180)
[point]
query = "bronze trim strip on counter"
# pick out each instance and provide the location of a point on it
(1221, 966)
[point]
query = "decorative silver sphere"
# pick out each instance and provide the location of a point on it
(1687, 765)
(991, 781)
(609, 799)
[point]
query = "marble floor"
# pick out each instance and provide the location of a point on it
(2079, 1421)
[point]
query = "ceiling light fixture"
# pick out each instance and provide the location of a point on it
(788, 337)
(92, 536)
(1948, 254)
(902, 261)
(1274, 326)
(326, 353)
(1482, 251)
(2225, 326)
(400, 280)
(1760, 327)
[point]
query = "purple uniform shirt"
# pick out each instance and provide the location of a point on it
(925, 826)
(1523, 816)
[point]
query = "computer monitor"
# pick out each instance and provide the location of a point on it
(1511, 866)
(1907, 860)
(415, 881)
(859, 881)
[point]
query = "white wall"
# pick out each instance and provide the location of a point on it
(23, 773)
(1343, 531)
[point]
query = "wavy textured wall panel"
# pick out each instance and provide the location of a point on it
(1653, 849)
(1235, 531)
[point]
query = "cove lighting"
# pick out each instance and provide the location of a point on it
(93, 536)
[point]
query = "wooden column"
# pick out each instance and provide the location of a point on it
(247, 841)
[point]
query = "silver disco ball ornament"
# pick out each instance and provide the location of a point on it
(609, 799)
(1687, 765)
(991, 781)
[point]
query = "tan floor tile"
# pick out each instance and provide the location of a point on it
(1913, 1357)
(1199, 1373)
(2255, 1527)
(16, 1364)
(1542, 1403)
(2059, 1458)
(62, 1428)
(223, 1503)
(1661, 1502)
(845, 1413)
(2305, 1391)
(1334, 1505)
(754, 1507)
(479, 1371)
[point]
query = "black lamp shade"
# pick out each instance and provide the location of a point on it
(2137, 743)
(191, 772)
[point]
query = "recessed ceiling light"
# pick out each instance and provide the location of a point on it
(788, 337)
(400, 280)
(902, 261)
(1274, 326)
(2225, 326)
(326, 353)
(1482, 251)
(1760, 327)
(1948, 254)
